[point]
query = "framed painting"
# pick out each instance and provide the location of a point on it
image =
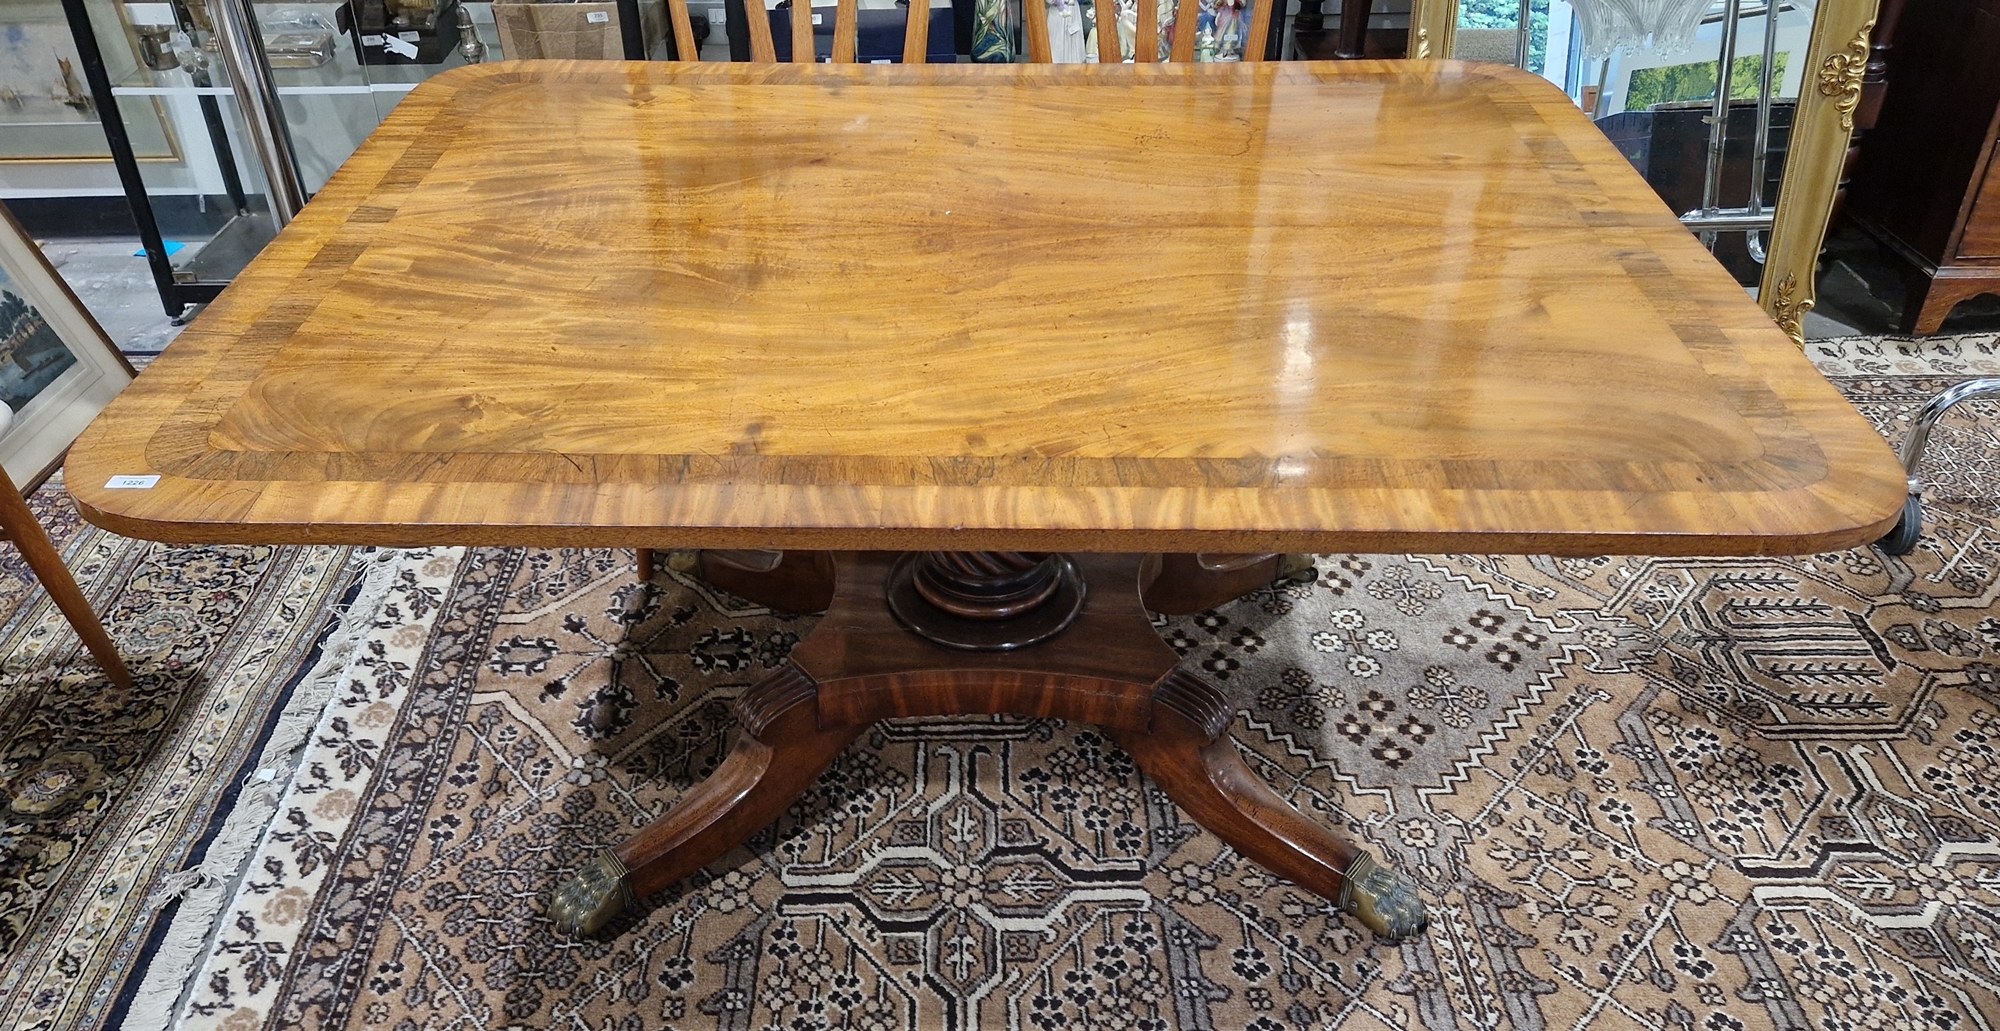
(46, 110)
(57, 368)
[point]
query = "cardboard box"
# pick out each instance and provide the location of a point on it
(587, 31)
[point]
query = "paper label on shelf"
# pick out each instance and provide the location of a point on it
(598, 17)
(815, 19)
(150, 14)
(131, 482)
(371, 41)
(410, 36)
(399, 46)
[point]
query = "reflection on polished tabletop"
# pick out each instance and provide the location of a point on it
(1250, 308)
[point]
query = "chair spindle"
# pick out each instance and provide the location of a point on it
(1186, 18)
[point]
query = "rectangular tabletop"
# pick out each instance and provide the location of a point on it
(1233, 307)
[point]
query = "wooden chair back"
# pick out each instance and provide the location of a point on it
(916, 34)
(1146, 41)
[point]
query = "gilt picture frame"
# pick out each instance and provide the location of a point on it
(57, 367)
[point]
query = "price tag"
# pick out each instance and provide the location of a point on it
(597, 17)
(150, 14)
(399, 46)
(131, 482)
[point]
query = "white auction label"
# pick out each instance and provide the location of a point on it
(130, 482)
(597, 17)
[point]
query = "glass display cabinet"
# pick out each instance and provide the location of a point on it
(240, 110)
(1740, 113)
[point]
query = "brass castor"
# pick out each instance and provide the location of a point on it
(1382, 900)
(589, 901)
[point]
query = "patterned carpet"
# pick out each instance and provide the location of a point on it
(103, 791)
(1692, 793)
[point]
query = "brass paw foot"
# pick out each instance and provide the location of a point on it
(1382, 900)
(1297, 569)
(593, 898)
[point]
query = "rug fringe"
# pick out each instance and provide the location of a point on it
(175, 886)
(204, 890)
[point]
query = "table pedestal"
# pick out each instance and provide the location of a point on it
(944, 633)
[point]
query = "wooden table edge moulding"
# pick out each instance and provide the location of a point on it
(962, 583)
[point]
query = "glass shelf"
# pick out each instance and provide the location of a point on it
(335, 77)
(193, 165)
(345, 74)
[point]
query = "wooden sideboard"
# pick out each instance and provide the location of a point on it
(1926, 185)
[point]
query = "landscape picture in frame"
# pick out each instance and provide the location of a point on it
(47, 112)
(57, 368)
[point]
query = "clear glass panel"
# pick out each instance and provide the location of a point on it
(185, 131)
(46, 110)
(1649, 71)
(1222, 29)
(164, 62)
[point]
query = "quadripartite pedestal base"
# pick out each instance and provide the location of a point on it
(951, 652)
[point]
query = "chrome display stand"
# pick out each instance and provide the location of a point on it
(1910, 528)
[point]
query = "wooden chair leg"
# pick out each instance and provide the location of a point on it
(645, 556)
(42, 557)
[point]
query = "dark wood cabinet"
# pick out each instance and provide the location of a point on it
(1926, 185)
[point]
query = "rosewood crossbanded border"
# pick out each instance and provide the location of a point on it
(1178, 312)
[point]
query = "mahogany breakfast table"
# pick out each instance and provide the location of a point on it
(986, 361)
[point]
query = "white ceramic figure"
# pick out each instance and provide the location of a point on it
(1066, 38)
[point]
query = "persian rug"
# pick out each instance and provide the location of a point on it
(103, 789)
(1717, 794)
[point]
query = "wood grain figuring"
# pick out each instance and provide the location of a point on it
(1351, 306)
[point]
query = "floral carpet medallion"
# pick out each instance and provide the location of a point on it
(1711, 794)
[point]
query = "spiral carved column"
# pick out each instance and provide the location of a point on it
(985, 600)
